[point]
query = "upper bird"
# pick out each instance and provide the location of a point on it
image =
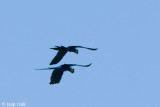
(63, 50)
(58, 71)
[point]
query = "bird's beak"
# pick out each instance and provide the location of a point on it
(72, 70)
(76, 51)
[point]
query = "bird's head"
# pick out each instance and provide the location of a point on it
(71, 70)
(76, 51)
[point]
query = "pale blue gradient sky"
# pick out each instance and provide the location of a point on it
(125, 70)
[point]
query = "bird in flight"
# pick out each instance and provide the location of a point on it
(58, 71)
(63, 50)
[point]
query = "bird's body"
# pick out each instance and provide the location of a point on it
(58, 71)
(63, 68)
(63, 50)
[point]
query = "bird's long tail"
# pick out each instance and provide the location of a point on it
(85, 65)
(58, 47)
(45, 69)
(55, 48)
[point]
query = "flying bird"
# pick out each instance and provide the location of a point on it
(58, 71)
(63, 50)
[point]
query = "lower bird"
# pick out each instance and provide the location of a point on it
(58, 71)
(63, 50)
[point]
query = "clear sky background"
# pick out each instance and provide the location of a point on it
(125, 70)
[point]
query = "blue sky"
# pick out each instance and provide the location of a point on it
(125, 69)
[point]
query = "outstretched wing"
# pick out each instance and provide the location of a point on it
(79, 65)
(83, 47)
(56, 76)
(58, 57)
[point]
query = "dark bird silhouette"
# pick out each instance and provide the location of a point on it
(58, 71)
(63, 50)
